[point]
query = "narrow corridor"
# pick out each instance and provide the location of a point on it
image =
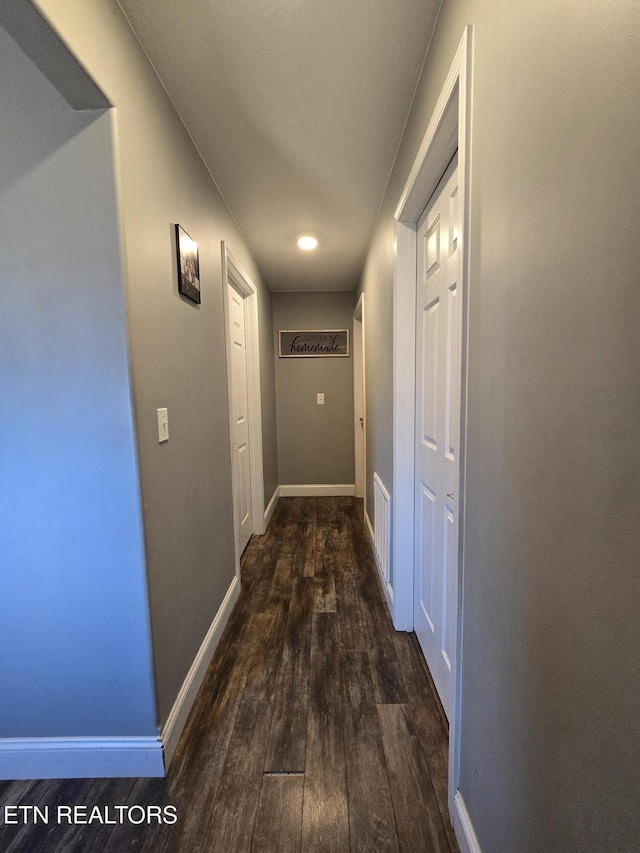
(315, 729)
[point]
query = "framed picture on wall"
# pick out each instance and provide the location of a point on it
(314, 343)
(188, 265)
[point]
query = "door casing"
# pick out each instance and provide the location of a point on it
(448, 129)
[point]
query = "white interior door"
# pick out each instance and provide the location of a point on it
(239, 421)
(438, 338)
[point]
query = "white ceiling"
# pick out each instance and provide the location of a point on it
(297, 107)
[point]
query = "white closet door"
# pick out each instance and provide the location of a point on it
(438, 340)
(241, 462)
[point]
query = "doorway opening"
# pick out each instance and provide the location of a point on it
(243, 383)
(359, 399)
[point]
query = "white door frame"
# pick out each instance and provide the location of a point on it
(360, 399)
(235, 275)
(449, 128)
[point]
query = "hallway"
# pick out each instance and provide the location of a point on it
(315, 728)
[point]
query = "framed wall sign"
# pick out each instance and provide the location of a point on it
(314, 343)
(188, 265)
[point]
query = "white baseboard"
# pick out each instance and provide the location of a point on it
(369, 526)
(108, 757)
(318, 490)
(386, 587)
(464, 828)
(80, 757)
(271, 506)
(177, 718)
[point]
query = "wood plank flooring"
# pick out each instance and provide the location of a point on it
(316, 728)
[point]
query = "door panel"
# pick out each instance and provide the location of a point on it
(452, 404)
(428, 593)
(450, 584)
(431, 317)
(432, 248)
(438, 339)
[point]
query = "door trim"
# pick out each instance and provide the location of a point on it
(448, 129)
(235, 275)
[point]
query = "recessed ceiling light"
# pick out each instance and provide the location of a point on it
(307, 243)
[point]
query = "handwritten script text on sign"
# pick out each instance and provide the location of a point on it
(318, 343)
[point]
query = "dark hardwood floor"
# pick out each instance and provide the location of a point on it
(315, 729)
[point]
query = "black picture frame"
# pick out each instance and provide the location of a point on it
(188, 265)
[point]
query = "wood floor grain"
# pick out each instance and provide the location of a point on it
(278, 827)
(288, 735)
(371, 819)
(325, 818)
(316, 728)
(418, 818)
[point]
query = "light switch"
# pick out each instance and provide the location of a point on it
(163, 425)
(320, 399)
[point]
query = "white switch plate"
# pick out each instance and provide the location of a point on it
(320, 399)
(163, 425)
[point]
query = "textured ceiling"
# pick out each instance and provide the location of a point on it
(297, 107)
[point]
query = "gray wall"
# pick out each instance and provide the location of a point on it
(177, 348)
(551, 636)
(75, 652)
(315, 443)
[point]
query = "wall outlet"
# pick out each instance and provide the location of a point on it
(163, 425)
(320, 399)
